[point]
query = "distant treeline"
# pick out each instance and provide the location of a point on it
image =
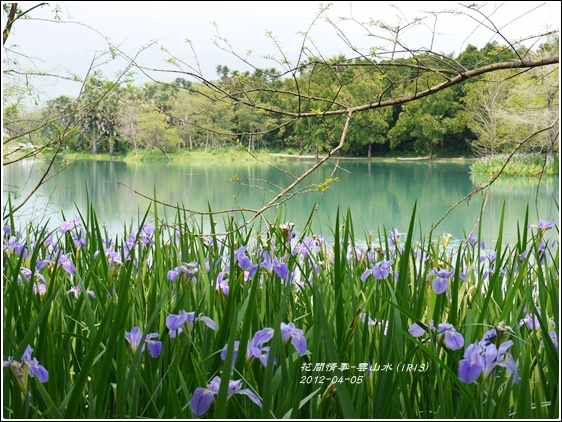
(482, 116)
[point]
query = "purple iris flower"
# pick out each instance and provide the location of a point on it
(375, 323)
(453, 340)
(417, 330)
(531, 320)
(145, 234)
(309, 244)
(471, 242)
(222, 283)
(444, 332)
(177, 323)
(441, 281)
(40, 289)
(78, 289)
(543, 225)
(235, 352)
(394, 237)
(294, 335)
(62, 259)
(66, 265)
(79, 240)
(255, 349)
(203, 398)
(35, 369)
(26, 272)
(134, 337)
(554, 338)
(15, 247)
(244, 262)
(114, 259)
(481, 358)
(380, 270)
(129, 245)
(69, 225)
(187, 271)
(280, 268)
(489, 256)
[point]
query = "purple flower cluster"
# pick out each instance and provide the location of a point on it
(185, 320)
(444, 333)
(60, 259)
(186, 272)
(257, 350)
(274, 265)
(380, 270)
(480, 358)
(245, 263)
(14, 247)
(40, 286)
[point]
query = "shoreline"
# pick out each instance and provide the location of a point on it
(376, 159)
(147, 156)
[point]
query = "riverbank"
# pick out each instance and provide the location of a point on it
(232, 155)
(521, 165)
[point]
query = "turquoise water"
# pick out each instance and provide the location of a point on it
(379, 195)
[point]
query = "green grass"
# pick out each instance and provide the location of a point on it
(521, 165)
(227, 154)
(350, 320)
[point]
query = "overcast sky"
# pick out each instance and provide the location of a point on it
(59, 47)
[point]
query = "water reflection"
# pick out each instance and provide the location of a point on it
(379, 195)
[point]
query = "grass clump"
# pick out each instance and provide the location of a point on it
(520, 165)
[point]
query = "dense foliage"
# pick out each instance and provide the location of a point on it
(165, 323)
(484, 115)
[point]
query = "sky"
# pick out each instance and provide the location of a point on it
(75, 44)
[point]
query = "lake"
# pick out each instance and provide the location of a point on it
(379, 195)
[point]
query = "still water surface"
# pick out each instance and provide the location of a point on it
(379, 195)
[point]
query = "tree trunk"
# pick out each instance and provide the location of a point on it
(550, 134)
(94, 144)
(369, 152)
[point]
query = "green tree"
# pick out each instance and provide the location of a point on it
(100, 105)
(154, 132)
(427, 123)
